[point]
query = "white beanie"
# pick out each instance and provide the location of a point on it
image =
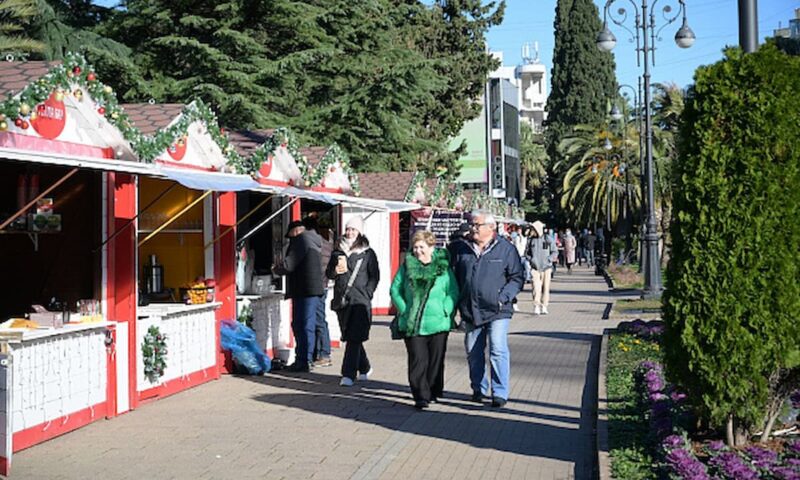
(356, 223)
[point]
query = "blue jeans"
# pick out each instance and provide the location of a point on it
(322, 346)
(304, 321)
(499, 357)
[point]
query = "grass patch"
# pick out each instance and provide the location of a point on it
(637, 305)
(625, 276)
(628, 427)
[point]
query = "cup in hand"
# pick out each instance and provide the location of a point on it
(341, 266)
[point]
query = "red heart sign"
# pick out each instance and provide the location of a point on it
(266, 168)
(178, 150)
(51, 117)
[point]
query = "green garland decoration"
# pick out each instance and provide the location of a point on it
(154, 354)
(454, 196)
(314, 175)
(75, 76)
(419, 179)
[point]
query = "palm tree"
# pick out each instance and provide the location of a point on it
(15, 15)
(533, 158)
(668, 103)
(594, 186)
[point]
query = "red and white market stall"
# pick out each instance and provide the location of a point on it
(57, 152)
(184, 266)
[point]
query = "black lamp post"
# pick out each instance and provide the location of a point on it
(618, 115)
(645, 35)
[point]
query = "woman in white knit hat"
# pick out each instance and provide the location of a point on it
(354, 267)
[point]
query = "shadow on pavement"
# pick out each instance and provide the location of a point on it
(381, 403)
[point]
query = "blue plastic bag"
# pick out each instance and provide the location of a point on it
(240, 340)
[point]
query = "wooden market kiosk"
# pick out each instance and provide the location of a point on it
(58, 155)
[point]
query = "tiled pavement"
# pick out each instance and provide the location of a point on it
(306, 426)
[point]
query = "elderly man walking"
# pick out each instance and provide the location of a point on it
(490, 275)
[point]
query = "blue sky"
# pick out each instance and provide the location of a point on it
(714, 22)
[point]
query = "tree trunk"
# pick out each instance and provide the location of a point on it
(768, 428)
(729, 432)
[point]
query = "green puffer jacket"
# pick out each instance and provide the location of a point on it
(410, 288)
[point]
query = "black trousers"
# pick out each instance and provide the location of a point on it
(355, 360)
(426, 365)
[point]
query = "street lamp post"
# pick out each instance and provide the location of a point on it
(617, 115)
(645, 33)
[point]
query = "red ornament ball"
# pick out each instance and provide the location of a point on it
(332, 169)
(101, 110)
(76, 70)
(91, 77)
(25, 125)
(18, 122)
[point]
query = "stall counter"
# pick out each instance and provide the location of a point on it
(191, 340)
(53, 381)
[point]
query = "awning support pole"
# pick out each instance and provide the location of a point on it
(261, 225)
(168, 222)
(230, 229)
(122, 228)
(39, 197)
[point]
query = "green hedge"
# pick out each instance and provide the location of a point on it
(732, 309)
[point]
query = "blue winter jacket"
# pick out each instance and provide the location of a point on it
(488, 283)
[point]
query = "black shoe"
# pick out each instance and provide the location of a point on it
(298, 367)
(477, 397)
(421, 404)
(498, 402)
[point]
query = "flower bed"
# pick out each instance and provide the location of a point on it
(649, 418)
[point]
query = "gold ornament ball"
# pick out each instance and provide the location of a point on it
(3, 126)
(24, 109)
(78, 94)
(34, 115)
(107, 89)
(59, 96)
(114, 115)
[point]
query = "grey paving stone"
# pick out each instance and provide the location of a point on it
(306, 426)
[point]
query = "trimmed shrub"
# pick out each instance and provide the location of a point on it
(732, 309)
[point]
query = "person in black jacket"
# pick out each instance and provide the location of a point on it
(303, 267)
(354, 267)
(490, 275)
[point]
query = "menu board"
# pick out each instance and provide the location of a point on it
(441, 223)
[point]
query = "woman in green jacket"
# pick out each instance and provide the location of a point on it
(425, 293)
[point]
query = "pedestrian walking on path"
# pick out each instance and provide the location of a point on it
(490, 275)
(322, 346)
(354, 267)
(425, 293)
(302, 266)
(541, 254)
(569, 249)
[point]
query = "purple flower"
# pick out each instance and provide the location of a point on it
(685, 465)
(731, 465)
(716, 445)
(672, 441)
(762, 457)
(677, 396)
(793, 447)
(785, 473)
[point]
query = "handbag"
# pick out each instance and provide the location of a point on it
(343, 302)
(394, 328)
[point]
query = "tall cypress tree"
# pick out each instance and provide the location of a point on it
(582, 77)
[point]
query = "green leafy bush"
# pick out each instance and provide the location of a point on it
(733, 301)
(628, 429)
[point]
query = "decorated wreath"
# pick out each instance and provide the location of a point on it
(154, 353)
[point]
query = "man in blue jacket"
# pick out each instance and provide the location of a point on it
(490, 275)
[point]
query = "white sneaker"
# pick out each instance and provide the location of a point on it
(515, 307)
(365, 376)
(544, 310)
(346, 382)
(537, 310)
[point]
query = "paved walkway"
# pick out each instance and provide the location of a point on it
(306, 426)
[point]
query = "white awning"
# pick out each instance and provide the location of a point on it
(202, 180)
(93, 163)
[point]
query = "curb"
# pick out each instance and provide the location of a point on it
(603, 458)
